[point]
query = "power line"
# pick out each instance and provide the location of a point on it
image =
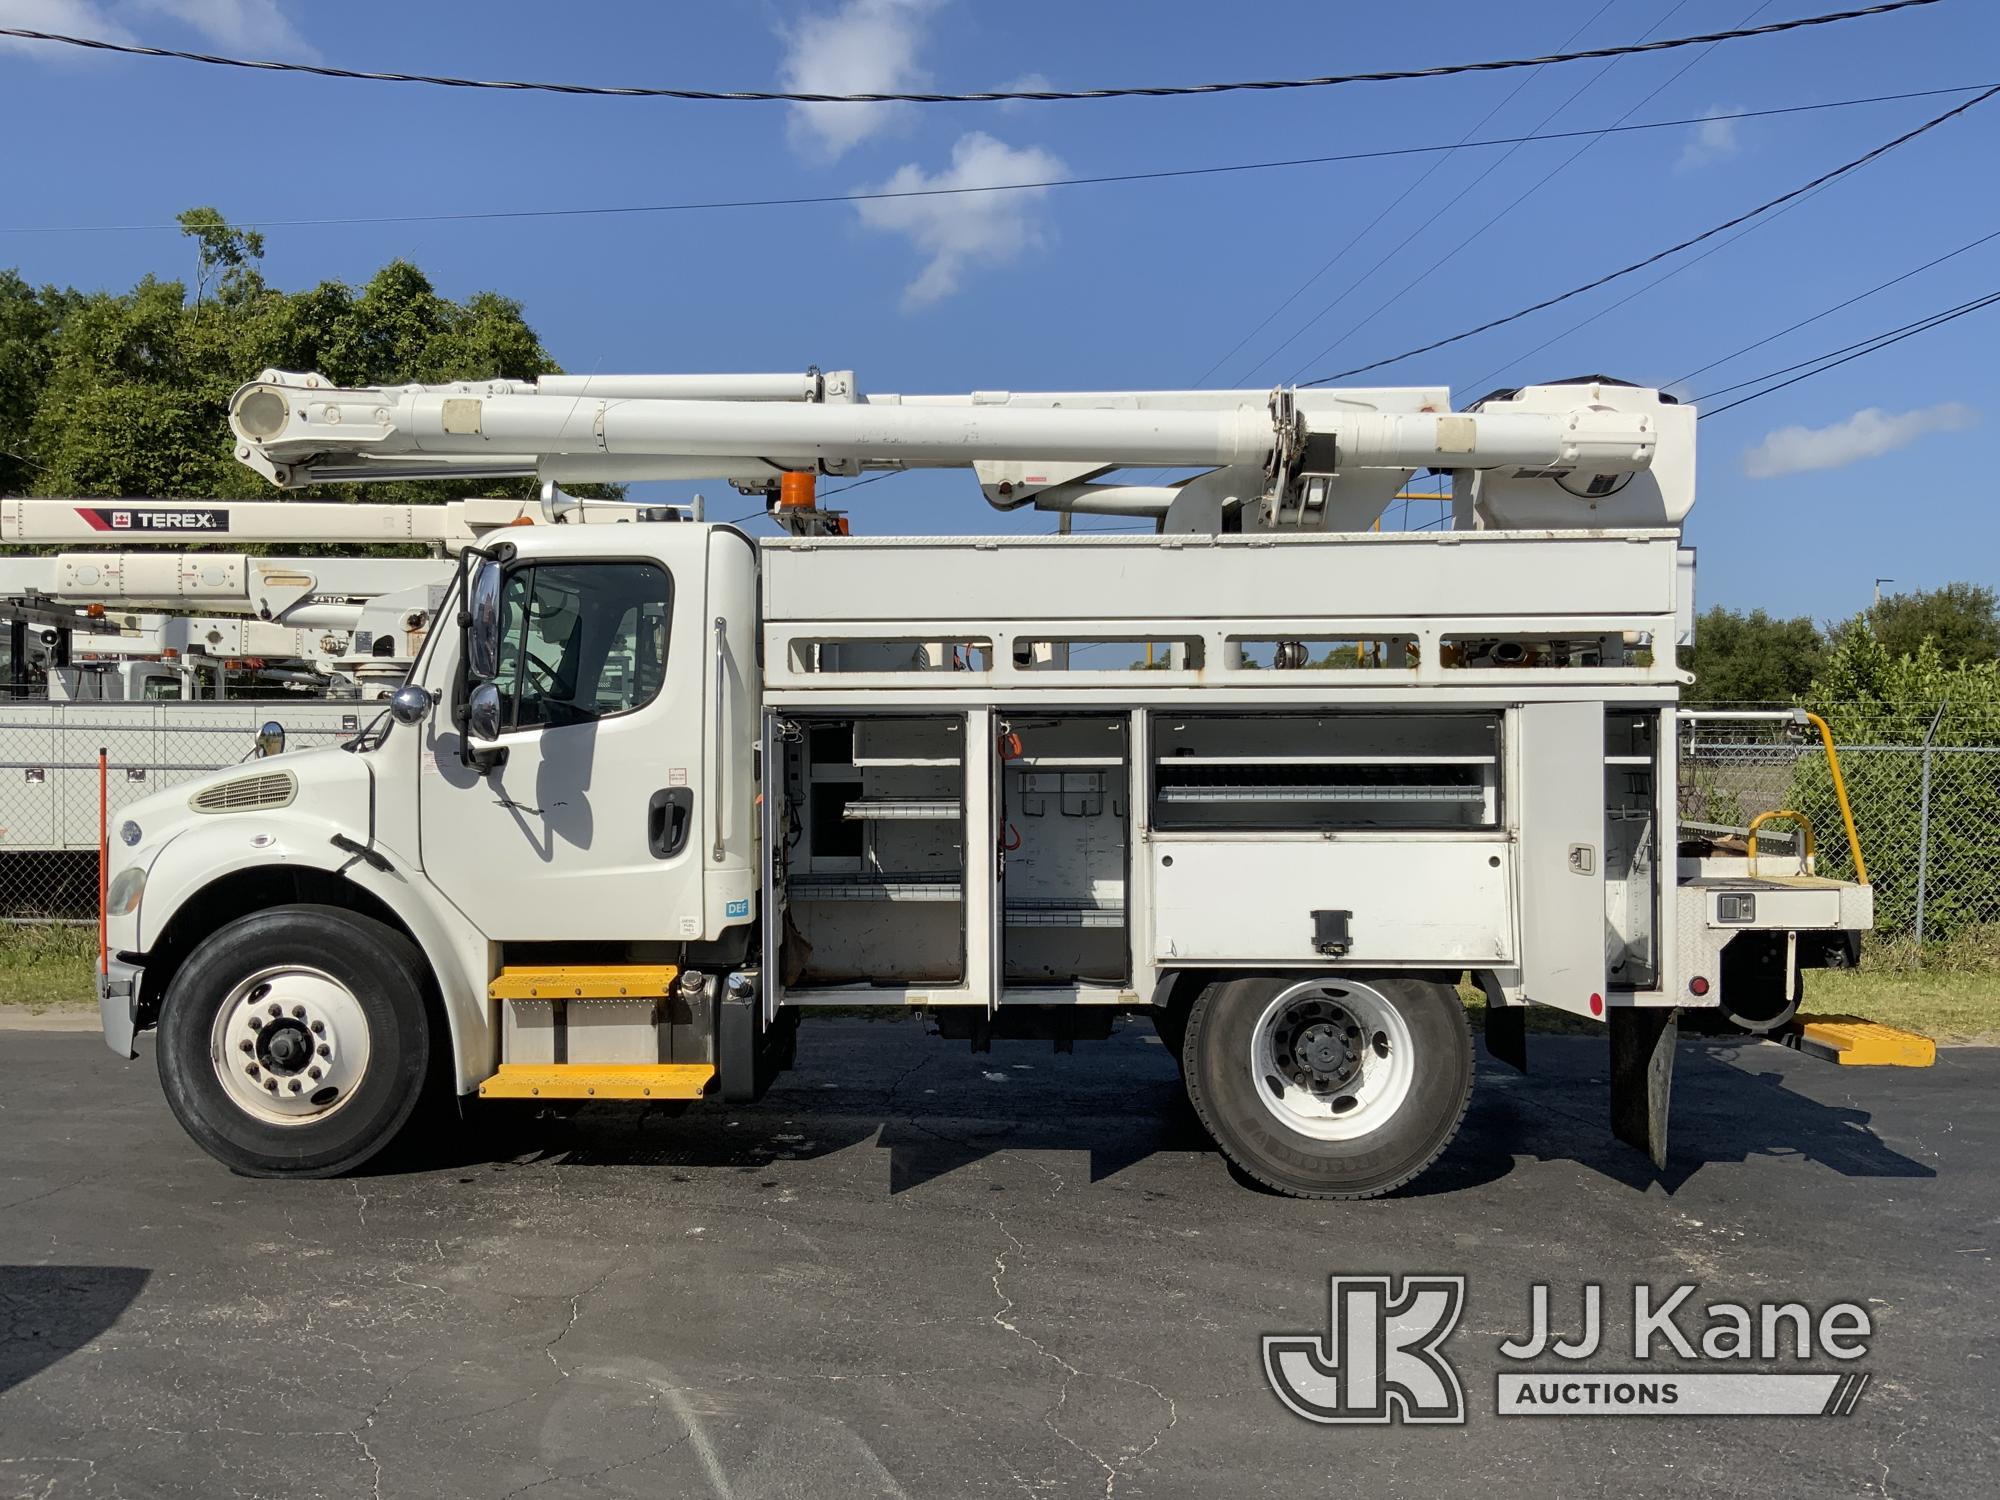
(1464, 243)
(1637, 292)
(1852, 352)
(1880, 286)
(1659, 255)
(1369, 228)
(708, 205)
(773, 96)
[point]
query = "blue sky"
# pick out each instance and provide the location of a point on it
(1140, 284)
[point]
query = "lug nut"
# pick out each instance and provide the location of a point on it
(271, 1084)
(313, 1073)
(298, 1012)
(296, 1085)
(251, 1070)
(277, 1010)
(319, 1028)
(246, 1046)
(324, 1050)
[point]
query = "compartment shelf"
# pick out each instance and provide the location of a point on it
(1327, 760)
(1064, 912)
(1469, 794)
(900, 809)
(874, 887)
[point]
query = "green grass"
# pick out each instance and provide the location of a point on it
(48, 968)
(1949, 992)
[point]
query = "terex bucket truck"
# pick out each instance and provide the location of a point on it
(661, 788)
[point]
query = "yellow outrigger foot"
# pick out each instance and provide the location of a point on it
(1857, 1043)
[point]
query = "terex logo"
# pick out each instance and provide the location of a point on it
(106, 518)
(1379, 1361)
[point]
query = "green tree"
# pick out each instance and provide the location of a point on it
(1869, 696)
(126, 394)
(1963, 619)
(1751, 658)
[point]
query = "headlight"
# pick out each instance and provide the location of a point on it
(123, 897)
(129, 831)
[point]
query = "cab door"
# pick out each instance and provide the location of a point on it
(589, 826)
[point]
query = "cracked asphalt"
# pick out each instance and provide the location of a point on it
(917, 1271)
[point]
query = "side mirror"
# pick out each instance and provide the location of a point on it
(409, 703)
(482, 718)
(482, 629)
(271, 739)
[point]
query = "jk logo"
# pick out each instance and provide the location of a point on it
(1379, 1361)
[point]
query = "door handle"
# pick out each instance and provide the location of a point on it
(669, 816)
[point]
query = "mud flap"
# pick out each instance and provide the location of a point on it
(1507, 1035)
(1642, 1076)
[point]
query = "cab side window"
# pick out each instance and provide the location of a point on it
(581, 641)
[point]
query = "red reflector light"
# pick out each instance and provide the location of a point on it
(1597, 1005)
(1697, 986)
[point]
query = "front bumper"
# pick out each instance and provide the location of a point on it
(118, 1006)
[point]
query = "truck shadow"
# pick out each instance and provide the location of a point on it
(937, 1109)
(50, 1312)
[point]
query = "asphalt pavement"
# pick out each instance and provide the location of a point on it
(915, 1270)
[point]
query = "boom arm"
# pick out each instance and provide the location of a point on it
(1304, 458)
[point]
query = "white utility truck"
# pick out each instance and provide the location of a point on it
(656, 789)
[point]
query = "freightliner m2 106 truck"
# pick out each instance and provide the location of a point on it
(653, 790)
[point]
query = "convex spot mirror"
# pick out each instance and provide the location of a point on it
(271, 738)
(482, 630)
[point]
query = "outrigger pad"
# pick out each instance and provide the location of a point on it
(1642, 1076)
(1507, 1034)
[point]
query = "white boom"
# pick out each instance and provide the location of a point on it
(1589, 453)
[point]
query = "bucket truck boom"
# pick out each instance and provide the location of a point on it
(1284, 459)
(1273, 779)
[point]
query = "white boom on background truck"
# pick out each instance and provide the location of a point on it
(663, 788)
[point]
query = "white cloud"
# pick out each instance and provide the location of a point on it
(967, 228)
(1027, 83)
(256, 26)
(259, 27)
(1869, 433)
(865, 47)
(1714, 140)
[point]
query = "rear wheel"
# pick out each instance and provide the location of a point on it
(1329, 1087)
(294, 1041)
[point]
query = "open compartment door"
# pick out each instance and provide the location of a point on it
(1559, 761)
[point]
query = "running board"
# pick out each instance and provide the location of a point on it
(582, 982)
(1856, 1043)
(598, 1081)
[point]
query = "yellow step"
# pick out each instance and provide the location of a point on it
(598, 1081)
(583, 982)
(1857, 1043)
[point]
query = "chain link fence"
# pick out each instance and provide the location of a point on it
(49, 780)
(1924, 787)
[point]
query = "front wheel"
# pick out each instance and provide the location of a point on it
(294, 1042)
(1330, 1087)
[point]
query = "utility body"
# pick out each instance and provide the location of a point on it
(652, 790)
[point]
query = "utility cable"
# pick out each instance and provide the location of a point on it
(995, 96)
(1853, 352)
(1880, 286)
(710, 205)
(1529, 195)
(1659, 255)
(1369, 228)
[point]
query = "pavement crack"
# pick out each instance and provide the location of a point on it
(1113, 1471)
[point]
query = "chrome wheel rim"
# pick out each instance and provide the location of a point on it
(290, 1045)
(1332, 1059)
